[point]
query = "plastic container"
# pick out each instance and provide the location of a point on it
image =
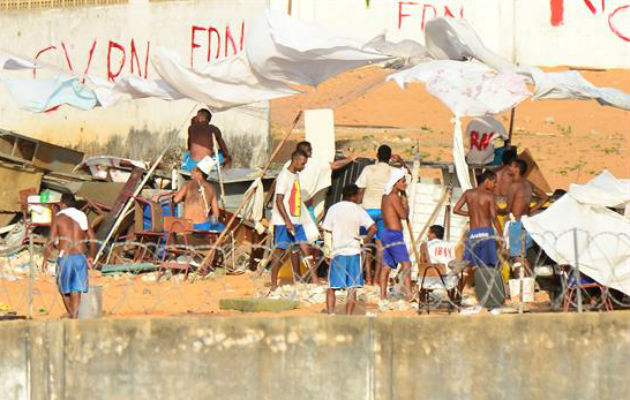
(528, 289)
(40, 214)
(91, 303)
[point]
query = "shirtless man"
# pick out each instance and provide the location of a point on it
(70, 233)
(201, 143)
(520, 196)
(504, 176)
(395, 208)
(200, 199)
(480, 246)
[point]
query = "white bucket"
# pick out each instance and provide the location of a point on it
(40, 214)
(528, 289)
(91, 305)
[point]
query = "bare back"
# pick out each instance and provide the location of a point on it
(520, 198)
(394, 209)
(69, 236)
(504, 180)
(195, 208)
(200, 143)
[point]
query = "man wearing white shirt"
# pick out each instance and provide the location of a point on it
(285, 217)
(436, 250)
(345, 220)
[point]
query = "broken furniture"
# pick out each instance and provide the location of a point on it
(433, 277)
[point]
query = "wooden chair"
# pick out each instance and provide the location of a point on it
(176, 228)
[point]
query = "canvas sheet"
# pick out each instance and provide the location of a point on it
(288, 49)
(603, 239)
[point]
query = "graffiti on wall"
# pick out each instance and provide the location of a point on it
(211, 42)
(597, 8)
(426, 11)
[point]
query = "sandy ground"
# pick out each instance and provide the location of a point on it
(572, 140)
(128, 295)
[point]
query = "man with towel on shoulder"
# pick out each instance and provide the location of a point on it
(200, 198)
(395, 208)
(70, 233)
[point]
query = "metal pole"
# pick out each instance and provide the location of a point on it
(512, 116)
(578, 278)
(31, 276)
(219, 174)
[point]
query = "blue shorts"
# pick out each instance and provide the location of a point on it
(72, 274)
(283, 239)
(394, 248)
(375, 214)
(345, 272)
(209, 226)
(515, 231)
(188, 164)
(481, 248)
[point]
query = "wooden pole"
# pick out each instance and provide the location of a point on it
(512, 117)
(432, 216)
(219, 174)
(416, 253)
(248, 195)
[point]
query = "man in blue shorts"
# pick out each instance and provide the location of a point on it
(71, 233)
(481, 245)
(201, 141)
(395, 208)
(286, 219)
(345, 220)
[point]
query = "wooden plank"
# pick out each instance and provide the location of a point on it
(20, 178)
(119, 204)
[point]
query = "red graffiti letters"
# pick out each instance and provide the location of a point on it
(212, 33)
(426, 10)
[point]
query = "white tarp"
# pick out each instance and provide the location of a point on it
(225, 84)
(408, 51)
(40, 95)
(288, 49)
(131, 87)
(572, 85)
(467, 89)
(603, 235)
(11, 62)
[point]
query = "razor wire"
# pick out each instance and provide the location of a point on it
(151, 277)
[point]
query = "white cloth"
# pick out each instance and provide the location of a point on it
(77, 216)
(604, 190)
(603, 239)
(40, 95)
(344, 220)
(284, 48)
(440, 251)
(288, 185)
(206, 164)
(572, 85)
(11, 62)
(455, 39)
(373, 179)
(483, 133)
(131, 87)
(395, 175)
(408, 51)
(224, 84)
(467, 88)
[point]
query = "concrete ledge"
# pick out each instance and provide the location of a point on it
(538, 356)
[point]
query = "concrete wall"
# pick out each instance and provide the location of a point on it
(117, 40)
(586, 33)
(553, 356)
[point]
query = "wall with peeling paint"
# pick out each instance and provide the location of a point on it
(551, 356)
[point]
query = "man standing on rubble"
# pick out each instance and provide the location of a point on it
(287, 210)
(520, 195)
(201, 139)
(200, 198)
(71, 233)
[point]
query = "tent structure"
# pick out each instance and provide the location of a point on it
(581, 230)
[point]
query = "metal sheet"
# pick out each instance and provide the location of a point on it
(15, 179)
